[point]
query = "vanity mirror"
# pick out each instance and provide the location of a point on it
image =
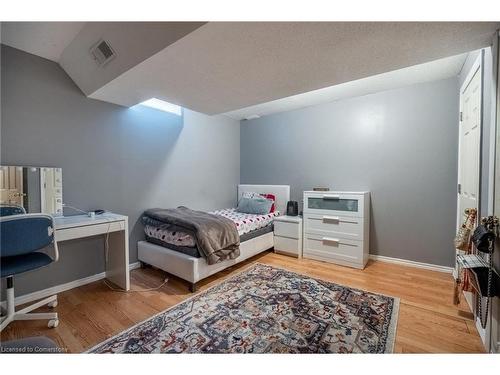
(37, 189)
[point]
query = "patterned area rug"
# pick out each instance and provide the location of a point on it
(267, 310)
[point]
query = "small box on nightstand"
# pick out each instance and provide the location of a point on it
(288, 235)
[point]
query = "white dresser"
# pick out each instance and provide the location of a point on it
(336, 227)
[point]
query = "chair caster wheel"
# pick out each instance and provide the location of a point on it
(53, 323)
(52, 304)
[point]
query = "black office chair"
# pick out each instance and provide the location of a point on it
(21, 239)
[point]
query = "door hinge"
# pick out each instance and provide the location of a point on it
(461, 116)
(459, 188)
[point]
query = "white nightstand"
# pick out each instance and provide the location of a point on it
(288, 235)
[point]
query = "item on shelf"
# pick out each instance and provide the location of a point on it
(462, 240)
(484, 280)
(321, 189)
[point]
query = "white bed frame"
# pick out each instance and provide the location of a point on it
(194, 269)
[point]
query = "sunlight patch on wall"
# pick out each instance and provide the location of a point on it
(162, 106)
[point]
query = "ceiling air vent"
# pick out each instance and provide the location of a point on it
(102, 52)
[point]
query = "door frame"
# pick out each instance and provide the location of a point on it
(495, 305)
(477, 66)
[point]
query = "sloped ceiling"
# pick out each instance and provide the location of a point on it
(44, 39)
(220, 67)
(427, 72)
(133, 43)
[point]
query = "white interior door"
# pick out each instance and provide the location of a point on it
(469, 142)
(469, 148)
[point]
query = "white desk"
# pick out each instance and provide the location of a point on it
(112, 225)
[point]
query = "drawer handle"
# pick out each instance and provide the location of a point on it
(328, 239)
(330, 196)
(331, 218)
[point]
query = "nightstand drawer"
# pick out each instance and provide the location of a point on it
(334, 226)
(287, 229)
(288, 245)
(332, 248)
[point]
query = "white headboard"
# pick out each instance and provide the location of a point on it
(281, 192)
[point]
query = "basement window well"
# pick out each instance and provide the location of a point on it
(162, 106)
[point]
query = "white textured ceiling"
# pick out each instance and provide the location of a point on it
(427, 72)
(45, 39)
(221, 67)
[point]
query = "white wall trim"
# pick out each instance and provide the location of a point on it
(133, 266)
(482, 331)
(496, 347)
(411, 263)
(39, 294)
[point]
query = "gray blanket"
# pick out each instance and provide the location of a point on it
(216, 236)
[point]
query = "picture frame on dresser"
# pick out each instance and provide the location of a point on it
(336, 227)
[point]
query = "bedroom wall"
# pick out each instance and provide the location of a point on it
(120, 159)
(400, 144)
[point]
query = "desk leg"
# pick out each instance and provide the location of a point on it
(117, 270)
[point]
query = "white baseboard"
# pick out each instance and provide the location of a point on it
(411, 263)
(39, 294)
(481, 331)
(133, 266)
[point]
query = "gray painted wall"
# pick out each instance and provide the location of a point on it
(123, 160)
(399, 144)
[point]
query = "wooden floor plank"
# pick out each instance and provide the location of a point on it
(428, 321)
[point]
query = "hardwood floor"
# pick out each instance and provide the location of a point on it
(428, 321)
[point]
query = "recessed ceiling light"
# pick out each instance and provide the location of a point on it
(162, 106)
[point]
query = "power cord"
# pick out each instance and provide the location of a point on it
(135, 290)
(106, 260)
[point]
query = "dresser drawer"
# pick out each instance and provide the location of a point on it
(334, 226)
(334, 204)
(287, 229)
(329, 248)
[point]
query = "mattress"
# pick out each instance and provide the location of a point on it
(246, 222)
(247, 225)
(193, 250)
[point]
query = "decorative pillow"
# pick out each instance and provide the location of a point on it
(257, 206)
(272, 197)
